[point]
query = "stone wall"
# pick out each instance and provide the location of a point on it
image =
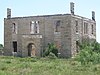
(7, 37)
(65, 38)
(80, 36)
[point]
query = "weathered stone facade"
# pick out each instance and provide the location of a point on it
(64, 30)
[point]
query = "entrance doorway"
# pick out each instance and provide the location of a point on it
(31, 50)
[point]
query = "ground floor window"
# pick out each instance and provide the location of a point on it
(15, 46)
(77, 46)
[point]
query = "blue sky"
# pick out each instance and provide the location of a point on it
(46, 7)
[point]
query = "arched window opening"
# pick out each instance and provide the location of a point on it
(57, 25)
(14, 28)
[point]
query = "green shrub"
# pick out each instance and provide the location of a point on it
(4, 68)
(52, 56)
(96, 47)
(89, 53)
(51, 48)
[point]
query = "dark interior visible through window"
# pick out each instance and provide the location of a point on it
(15, 46)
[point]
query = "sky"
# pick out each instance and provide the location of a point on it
(21, 8)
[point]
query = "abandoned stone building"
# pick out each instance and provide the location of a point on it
(29, 36)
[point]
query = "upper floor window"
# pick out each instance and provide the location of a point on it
(14, 28)
(92, 30)
(34, 27)
(57, 25)
(76, 22)
(85, 28)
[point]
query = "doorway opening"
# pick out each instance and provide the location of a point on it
(31, 49)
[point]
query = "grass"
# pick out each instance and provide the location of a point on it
(45, 66)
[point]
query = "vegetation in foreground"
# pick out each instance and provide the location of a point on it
(86, 62)
(45, 66)
(89, 53)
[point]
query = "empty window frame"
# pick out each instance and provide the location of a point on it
(76, 22)
(77, 46)
(14, 28)
(85, 28)
(57, 25)
(15, 46)
(92, 29)
(34, 27)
